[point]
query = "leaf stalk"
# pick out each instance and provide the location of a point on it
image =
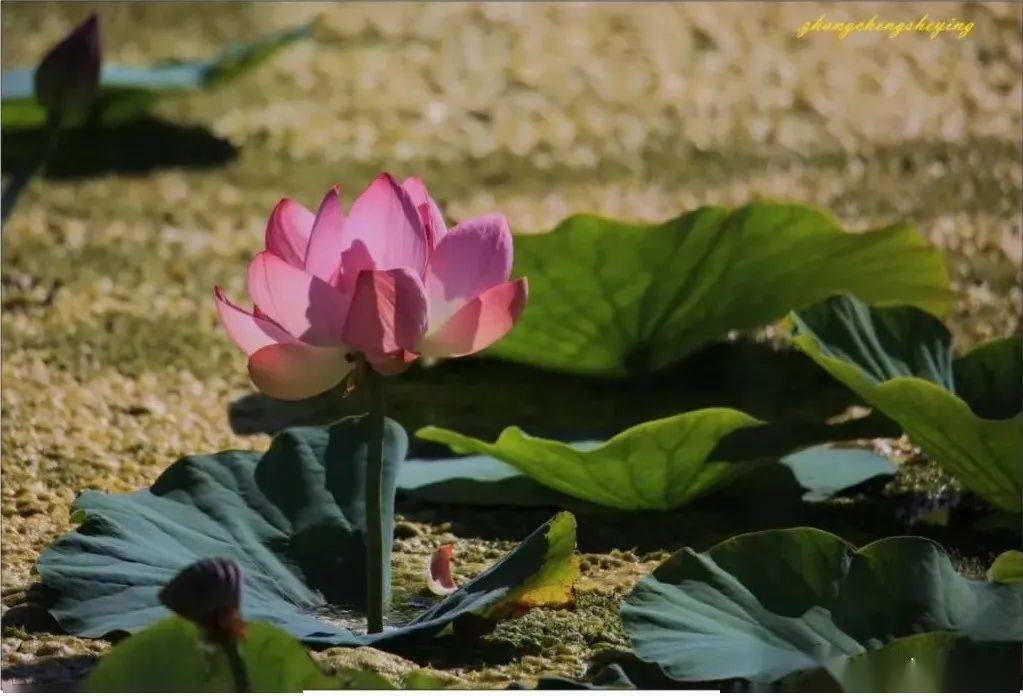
(375, 598)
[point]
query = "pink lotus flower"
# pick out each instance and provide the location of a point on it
(388, 281)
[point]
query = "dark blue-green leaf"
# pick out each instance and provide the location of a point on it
(293, 519)
(764, 605)
(475, 480)
(990, 378)
(825, 471)
(925, 663)
(898, 360)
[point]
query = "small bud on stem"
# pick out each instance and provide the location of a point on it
(209, 593)
(67, 79)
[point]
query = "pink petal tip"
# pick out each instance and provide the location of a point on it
(439, 579)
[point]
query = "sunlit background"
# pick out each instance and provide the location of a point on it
(113, 364)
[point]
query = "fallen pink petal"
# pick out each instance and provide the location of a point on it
(439, 579)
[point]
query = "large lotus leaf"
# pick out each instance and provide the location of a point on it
(761, 606)
(171, 656)
(896, 360)
(293, 519)
(938, 662)
(481, 480)
(613, 298)
(658, 465)
(127, 92)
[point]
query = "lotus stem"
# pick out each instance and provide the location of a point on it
(238, 671)
(21, 177)
(374, 518)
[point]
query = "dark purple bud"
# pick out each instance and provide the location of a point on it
(208, 592)
(67, 79)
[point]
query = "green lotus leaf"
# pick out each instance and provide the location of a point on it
(925, 663)
(171, 656)
(823, 470)
(1007, 568)
(658, 465)
(612, 298)
(128, 92)
(764, 605)
(293, 520)
(898, 360)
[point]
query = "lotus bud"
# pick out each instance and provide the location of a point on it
(209, 593)
(67, 79)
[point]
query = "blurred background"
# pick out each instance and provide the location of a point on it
(113, 362)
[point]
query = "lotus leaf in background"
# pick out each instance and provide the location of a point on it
(292, 519)
(476, 480)
(762, 606)
(826, 471)
(126, 93)
(611, 298)
(963, 413)
(658, 465)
